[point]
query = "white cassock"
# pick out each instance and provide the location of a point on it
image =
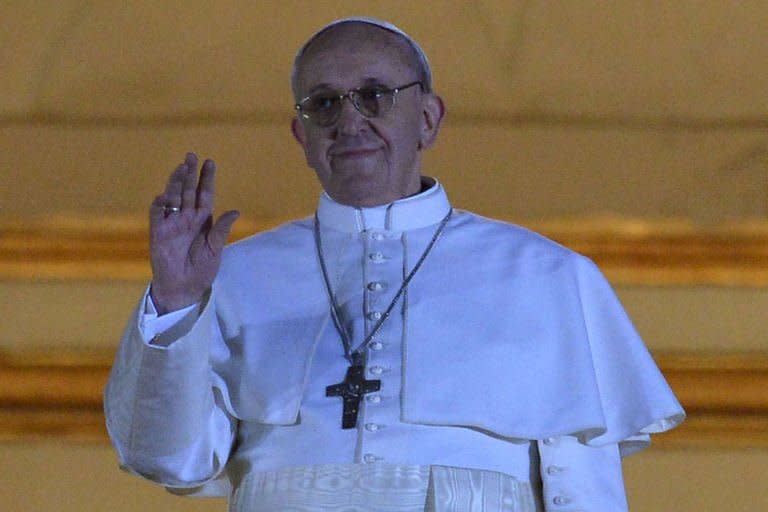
(511, 378)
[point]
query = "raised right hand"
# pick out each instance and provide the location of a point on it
(185, 245)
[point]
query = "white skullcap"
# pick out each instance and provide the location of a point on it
(422, 57)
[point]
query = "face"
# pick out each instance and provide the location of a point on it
(366, 161)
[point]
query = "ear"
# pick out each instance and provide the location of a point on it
(298, 130)
(433, 111)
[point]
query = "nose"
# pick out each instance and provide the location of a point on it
(350, 121)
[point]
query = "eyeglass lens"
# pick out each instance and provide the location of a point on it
(324, 108)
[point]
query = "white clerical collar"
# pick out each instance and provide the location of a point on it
(421, 210)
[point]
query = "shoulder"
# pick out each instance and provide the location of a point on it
(485, 235)
(269, 247)
(279, 236)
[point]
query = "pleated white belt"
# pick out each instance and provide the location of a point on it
(381, 487)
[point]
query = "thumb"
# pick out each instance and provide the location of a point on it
(219, 233)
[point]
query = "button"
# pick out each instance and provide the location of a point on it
(374, 399)
(555, 470)
(375, 286)
(369, 458)
(375, 345)
(371, 427)
(377, 370)
(374, 315)
(550, 441)
(376, 257)
(561, 500)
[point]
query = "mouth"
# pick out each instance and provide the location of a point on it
(353, 153)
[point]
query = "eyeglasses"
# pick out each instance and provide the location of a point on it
(324, 108)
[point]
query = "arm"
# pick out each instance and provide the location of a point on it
(163, 415)
(165, 418)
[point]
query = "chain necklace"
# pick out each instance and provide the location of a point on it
(355, 385)
(355, 357)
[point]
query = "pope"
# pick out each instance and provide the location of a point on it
(388, 353)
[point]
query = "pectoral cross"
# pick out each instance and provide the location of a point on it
(351, 390)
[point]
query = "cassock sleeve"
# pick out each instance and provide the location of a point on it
(163, 413)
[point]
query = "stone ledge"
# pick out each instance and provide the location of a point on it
(58, 395)
(629, 251)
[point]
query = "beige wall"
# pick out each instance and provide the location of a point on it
(653, 110)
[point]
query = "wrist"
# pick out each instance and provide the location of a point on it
(168, 303)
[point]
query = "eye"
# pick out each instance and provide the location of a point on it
(372, 93)
(321, 102)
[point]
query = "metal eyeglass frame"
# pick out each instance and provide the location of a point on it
(352, 95)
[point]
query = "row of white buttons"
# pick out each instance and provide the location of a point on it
(370, 458)
(375, 286)
(556, 470)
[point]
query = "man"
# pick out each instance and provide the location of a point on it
(390, 353)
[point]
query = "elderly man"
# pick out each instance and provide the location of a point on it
(389, 353)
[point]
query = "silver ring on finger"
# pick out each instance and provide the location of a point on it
(168, 210)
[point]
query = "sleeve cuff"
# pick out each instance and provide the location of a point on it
(151, 325)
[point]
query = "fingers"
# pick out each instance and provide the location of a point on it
(189, 182)
(206, 189)
(183, 192)
(171, 196)
(175, 186)
(157, 209)
(219, 233)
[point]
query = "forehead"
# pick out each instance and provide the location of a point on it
(351, 54)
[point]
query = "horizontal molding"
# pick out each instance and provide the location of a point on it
(58, 395)
(592, 121)
(642, 252)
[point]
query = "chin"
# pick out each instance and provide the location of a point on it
(351, 167)
(361, 193)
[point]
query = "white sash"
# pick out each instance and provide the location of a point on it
(380, 488)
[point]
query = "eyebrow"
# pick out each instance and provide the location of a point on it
(368, 81)
(319, 87)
